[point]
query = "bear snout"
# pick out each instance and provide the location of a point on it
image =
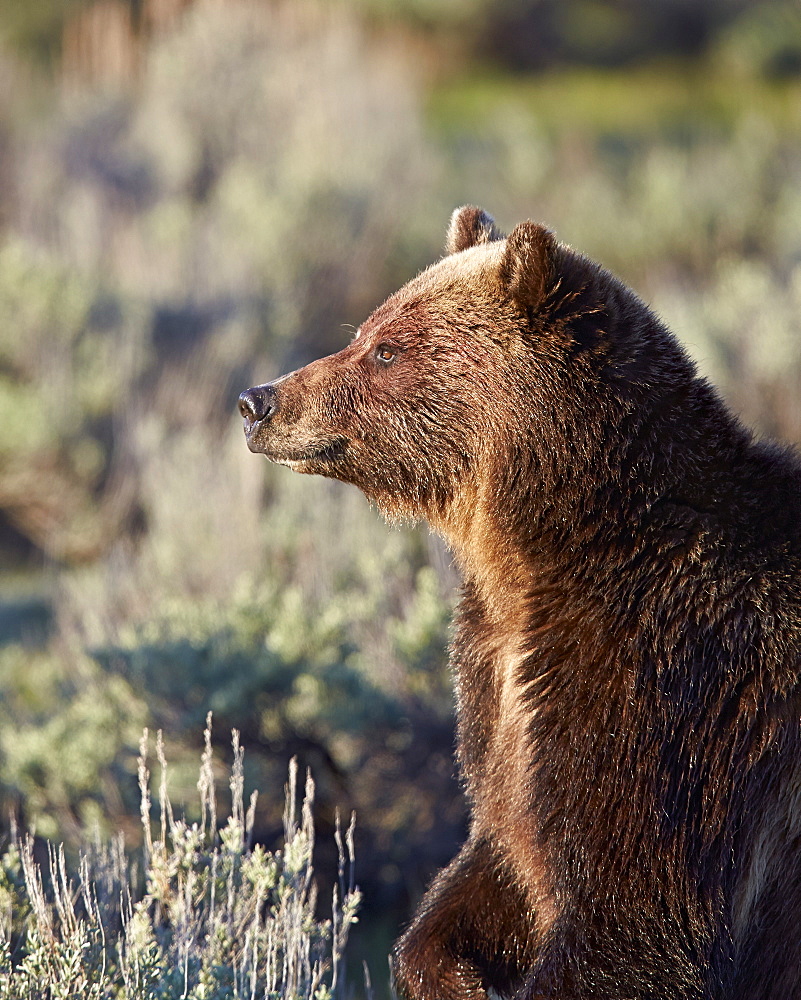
(259, 403)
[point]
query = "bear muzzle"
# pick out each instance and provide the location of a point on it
(302, 449)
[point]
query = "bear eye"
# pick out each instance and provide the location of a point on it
(385, 353)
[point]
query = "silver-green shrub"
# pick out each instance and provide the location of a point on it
(215, 917)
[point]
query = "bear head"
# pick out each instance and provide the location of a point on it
(505, 363)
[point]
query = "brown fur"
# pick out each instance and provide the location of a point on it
(628, 645)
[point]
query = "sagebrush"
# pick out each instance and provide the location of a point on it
(208, 915)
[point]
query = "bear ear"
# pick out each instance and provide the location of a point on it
(528, 265)
(469, 227)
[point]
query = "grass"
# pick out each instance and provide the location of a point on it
(211, 916)
(645, 103)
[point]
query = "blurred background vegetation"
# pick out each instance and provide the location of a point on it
(196, 195)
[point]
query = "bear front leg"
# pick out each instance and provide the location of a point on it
(470, 933)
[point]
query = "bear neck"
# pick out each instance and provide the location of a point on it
(568, 520)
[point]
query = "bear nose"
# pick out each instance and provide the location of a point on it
(258, 404)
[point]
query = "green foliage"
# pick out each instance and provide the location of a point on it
(66, 365)
(36, 353)
(766, 40)
(67, 767)
(36, 25)
(217, 918)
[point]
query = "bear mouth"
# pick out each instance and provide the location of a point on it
(312, 456)
(319, 452)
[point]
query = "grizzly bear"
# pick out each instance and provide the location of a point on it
(628, 644)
